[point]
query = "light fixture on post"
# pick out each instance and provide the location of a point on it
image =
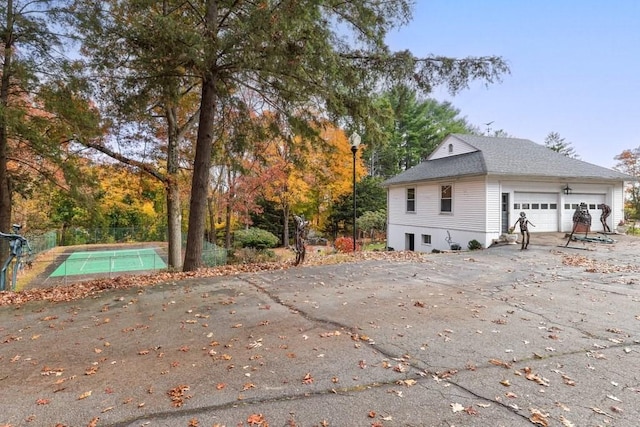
(567, 190)
(355, 143)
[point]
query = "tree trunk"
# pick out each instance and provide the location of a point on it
(174, 209)
(211, 208)
(227, 227)
(202, 159)
(174, 224)
(5, 78)
(200, 180)
(285, 226)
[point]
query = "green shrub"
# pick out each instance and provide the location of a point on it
(474, 245)
(255, 238)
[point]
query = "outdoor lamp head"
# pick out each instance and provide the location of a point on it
(355, 141)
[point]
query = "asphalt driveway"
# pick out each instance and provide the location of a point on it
(549, 336)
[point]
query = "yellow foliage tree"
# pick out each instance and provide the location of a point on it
(306, 175)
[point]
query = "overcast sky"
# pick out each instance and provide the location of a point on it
(575, 67)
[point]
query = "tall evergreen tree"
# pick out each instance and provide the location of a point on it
(414, 126)
(298, 58)
(555, 142)
(32, 135)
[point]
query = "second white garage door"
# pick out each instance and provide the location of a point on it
(592, 200)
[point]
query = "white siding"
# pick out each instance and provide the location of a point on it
(494, 204)
(466, 221)
(477, 210)
(457, 147)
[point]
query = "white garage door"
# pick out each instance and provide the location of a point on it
(572, 201)
(541, 209)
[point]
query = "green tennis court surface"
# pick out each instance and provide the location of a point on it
(115, 261)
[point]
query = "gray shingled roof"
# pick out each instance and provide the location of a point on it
(508, 157)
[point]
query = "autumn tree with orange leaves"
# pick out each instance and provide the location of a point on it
(629, 163)
(35, 154)
(305, 175)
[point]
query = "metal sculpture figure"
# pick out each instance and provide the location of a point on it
(301, 235)
(524, 229)
(606, 211)
(17, 244)
(581, 216)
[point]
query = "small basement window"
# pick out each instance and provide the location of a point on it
(426, 239)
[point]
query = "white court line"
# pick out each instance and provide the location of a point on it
(85, 262)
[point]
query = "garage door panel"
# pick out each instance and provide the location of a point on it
(572, 201)
(541, 209)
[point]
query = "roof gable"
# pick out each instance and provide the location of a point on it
(502, 156)
(451, 146)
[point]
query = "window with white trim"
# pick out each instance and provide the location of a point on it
(446, 198)
(411, 199)
(426, 239)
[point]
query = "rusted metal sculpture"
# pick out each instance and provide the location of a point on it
(606, 211)
(17, 245)
(524, 229)
(581, 218)
(302, 229)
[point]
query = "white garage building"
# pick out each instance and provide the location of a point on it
(474, 187)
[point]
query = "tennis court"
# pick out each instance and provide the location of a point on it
(109, 261)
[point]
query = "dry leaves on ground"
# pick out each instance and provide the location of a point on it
(594, 266)
(84, 289)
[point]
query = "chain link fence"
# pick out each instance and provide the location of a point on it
(44, 258)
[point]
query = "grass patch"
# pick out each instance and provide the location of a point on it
(377, 246)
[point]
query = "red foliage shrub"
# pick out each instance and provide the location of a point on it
(345, 244)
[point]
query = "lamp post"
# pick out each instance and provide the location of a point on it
(355, 143)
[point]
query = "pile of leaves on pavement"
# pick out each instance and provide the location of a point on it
(594, 266)
(84, 289)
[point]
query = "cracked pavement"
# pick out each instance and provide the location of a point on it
(498, 337)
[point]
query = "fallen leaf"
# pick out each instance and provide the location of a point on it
(534, 377)
(565, 422)
(538, 417)
(601, 412)
(84, 395)
(456, 407)
(93, 422)
(177, 395)
(308, 379)
(471, 410)
(499, 362)
(257, 420)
